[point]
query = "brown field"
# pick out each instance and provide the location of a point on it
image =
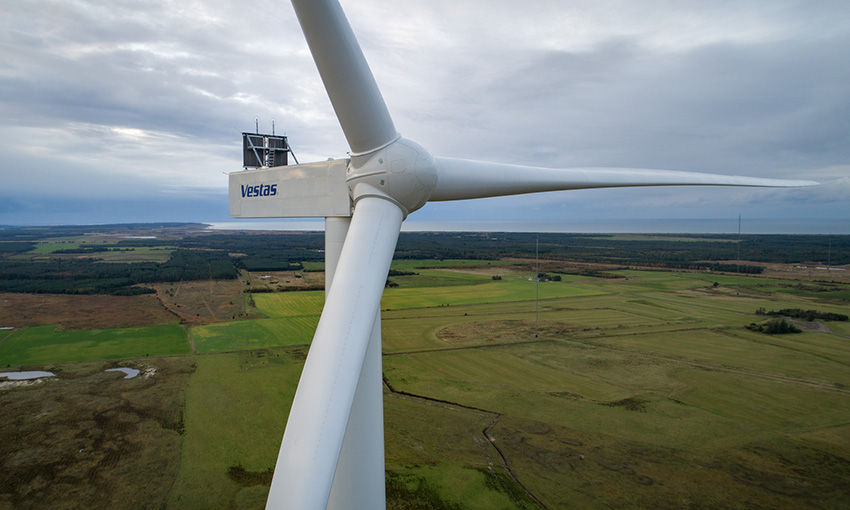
(192, 303)
(82, 311)
(203, 302)
(785, 271)
(771, 270)
(206, 301)
(792, 272)
(280, 280)
(92, 439)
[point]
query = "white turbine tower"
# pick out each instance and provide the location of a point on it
(332, 455)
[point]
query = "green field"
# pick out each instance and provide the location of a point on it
(290, 304)
(309, 303)
(113, 252)
(137, 254)
(254, 334)
(636, 392)
(436, 458)
(236, 409)
(46, 344)
(656, 381)
(45, 248)
(447, 272)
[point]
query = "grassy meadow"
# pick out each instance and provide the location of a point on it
(48, 344)
(253, 334)
(644, 394)
(236, 408)
(644, 390)
(113, 252)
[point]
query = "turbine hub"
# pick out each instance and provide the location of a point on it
(402, 171)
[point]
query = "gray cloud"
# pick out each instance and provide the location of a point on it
(144, 98)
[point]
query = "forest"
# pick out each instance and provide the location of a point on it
(90, 276)
(198, 254)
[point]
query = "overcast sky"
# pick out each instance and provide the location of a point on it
(131, 110)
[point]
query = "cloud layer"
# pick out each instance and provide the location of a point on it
(130, 102)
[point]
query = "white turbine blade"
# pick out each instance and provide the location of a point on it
(459, 179)
(320, 411)
(359, 479)
(348, 80)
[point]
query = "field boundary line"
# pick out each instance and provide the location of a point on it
(453, 406)
(191, 340)
(492, 441)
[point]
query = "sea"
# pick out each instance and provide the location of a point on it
(622, 226)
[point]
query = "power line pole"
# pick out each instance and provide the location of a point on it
(537, 287)
(829, 253)
(738, 263)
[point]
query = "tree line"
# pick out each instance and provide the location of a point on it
(90, 276)
(202, 254)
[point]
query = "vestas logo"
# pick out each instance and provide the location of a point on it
(259, 190)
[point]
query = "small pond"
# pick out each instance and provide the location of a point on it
(131, 372)
(22, 376)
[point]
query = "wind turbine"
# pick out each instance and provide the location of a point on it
(332, 454)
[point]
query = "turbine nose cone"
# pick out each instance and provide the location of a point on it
(404, 172)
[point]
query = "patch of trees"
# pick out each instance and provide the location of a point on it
(680, 251)
(285, 251)
(90, 250)
(701, 266)
(114, 286)
(600, 274)
(808, 315)
(774, 327)
(15, 247)
(736, 268)
(544, 277)
(89, 276)
(195, 265)
(396, 272)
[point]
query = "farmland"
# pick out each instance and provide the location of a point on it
(45, 344)
(620, 388)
